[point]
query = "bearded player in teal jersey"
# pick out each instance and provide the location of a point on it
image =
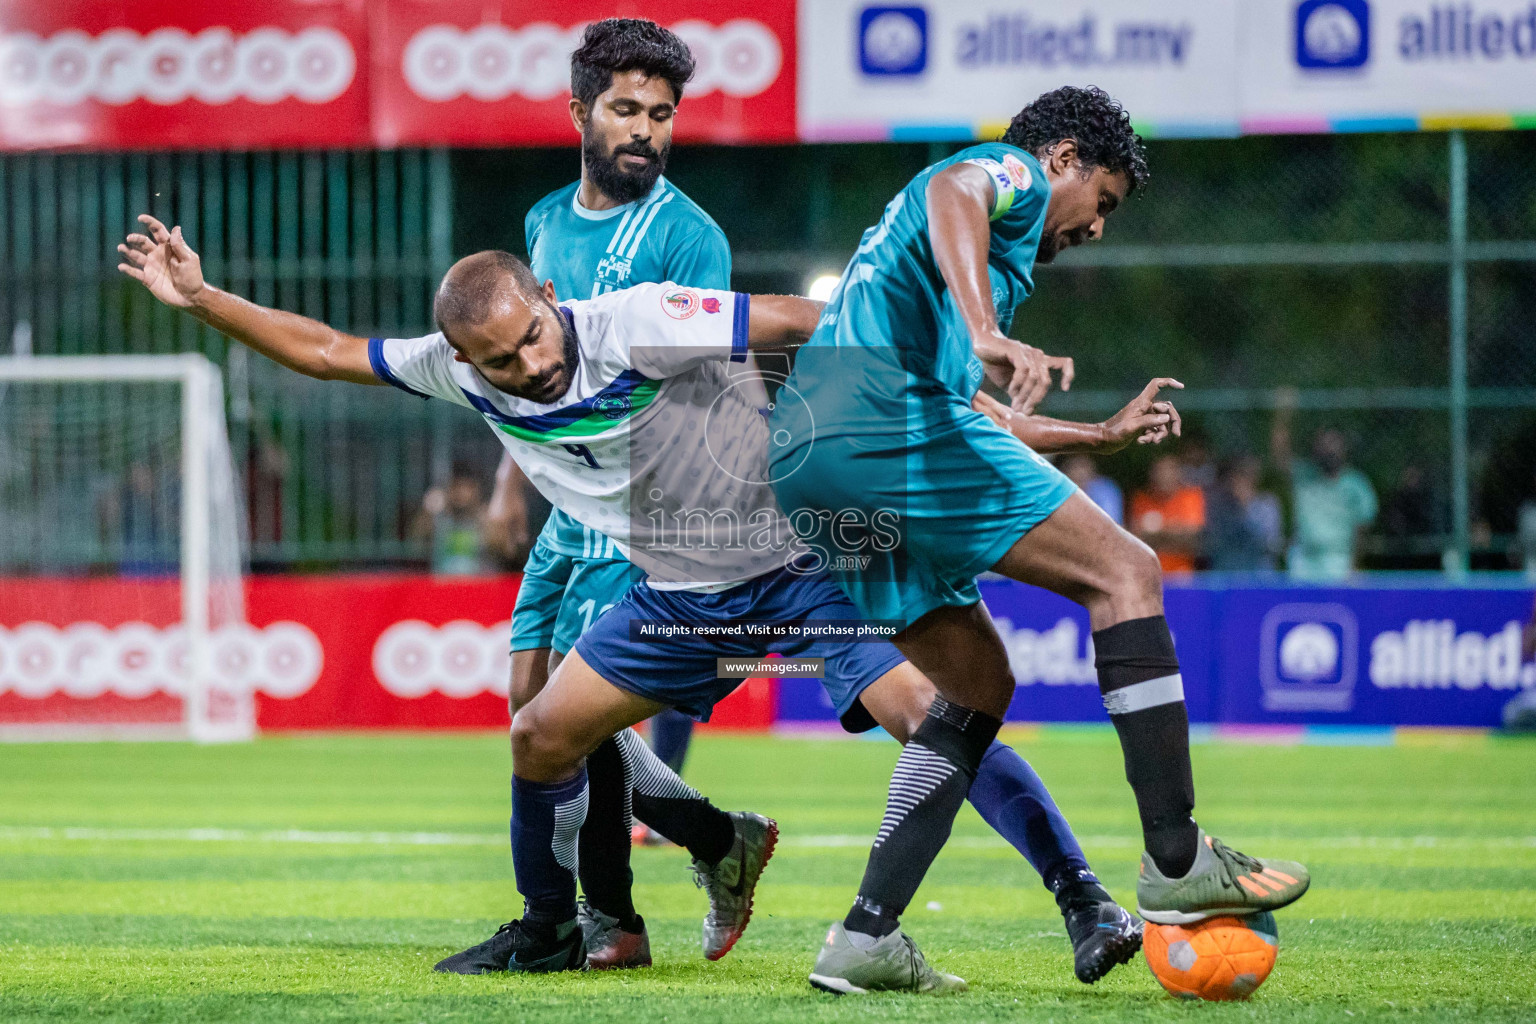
(622, 224)
(883, 425)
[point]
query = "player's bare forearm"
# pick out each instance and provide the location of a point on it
(1045, 435)
(505, 528)
(959, 202)
(777, 323)
(297, 342)
(162, 261)
(1144, 420)
(959, 199)
(1059, 437)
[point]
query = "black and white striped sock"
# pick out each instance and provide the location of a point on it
(664, 802)
(1144, 695)
(927, 788)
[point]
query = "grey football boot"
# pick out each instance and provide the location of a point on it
(731, 883)
(892, 964)
(1221, 881)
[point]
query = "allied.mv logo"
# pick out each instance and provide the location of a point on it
(1333, 34)
(1308, 657)
(893, 40)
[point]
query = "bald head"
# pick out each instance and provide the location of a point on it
(497, 318)
(479, 287)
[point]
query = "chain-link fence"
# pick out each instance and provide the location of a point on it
(1344, 278)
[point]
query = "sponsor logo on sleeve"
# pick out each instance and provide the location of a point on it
(1018, 174)
(711, 305)
(681, 303)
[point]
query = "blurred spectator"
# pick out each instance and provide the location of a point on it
(510, 529)
(1195, 462)
(1331, 501)
(454, 518)
(1243, 530)
(1411, 510)
(139, 517)
(1527, 535)
(1169, 515)
(1520, 713)
(1101, 490)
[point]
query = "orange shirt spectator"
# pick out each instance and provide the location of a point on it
(1169, 515)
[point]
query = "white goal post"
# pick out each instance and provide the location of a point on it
(61, 407)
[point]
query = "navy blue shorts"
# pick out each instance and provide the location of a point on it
(679, 671)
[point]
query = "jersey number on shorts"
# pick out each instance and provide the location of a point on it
(582, 452)
(587, 609)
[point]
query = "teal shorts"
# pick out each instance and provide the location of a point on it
(907, 520)
(562, 595)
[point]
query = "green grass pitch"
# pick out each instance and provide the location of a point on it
(310, 878)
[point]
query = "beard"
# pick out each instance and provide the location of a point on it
(548, 389)
(617, 184)
(1051, 245)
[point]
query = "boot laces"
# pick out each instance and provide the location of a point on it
(1232, 862)
(920, 968)
(708, 879)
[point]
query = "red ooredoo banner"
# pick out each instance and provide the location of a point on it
(464, 72)
(85, 74)
(163, 74)
(318, 652)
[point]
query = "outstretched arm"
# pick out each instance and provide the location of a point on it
(780, 322)
(1144, 420)
(959, 207)
(163, 262)
(505, 529)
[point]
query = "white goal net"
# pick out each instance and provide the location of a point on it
(121, 556)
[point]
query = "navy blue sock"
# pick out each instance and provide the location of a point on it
(1011, 797)
(546, 822)
(670, 732)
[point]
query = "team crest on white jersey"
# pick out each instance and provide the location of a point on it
(612, 406)
(680, 303)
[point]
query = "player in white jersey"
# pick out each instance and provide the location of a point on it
(644, 370)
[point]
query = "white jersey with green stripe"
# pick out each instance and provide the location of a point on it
(652, 445)
(662, 236)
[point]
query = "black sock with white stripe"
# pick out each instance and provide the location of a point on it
(667, 804)
(1144, 694)
(929, 784)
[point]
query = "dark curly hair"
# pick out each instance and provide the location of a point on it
(1091, 117)
(628, 44)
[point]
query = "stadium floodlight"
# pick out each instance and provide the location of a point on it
(121, 560)
(821, 287)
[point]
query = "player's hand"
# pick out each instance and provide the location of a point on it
(1021, 370)
(163, 262)
(1145, 420)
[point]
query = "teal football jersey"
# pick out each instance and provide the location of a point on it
(664, 236)
(891, 338)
